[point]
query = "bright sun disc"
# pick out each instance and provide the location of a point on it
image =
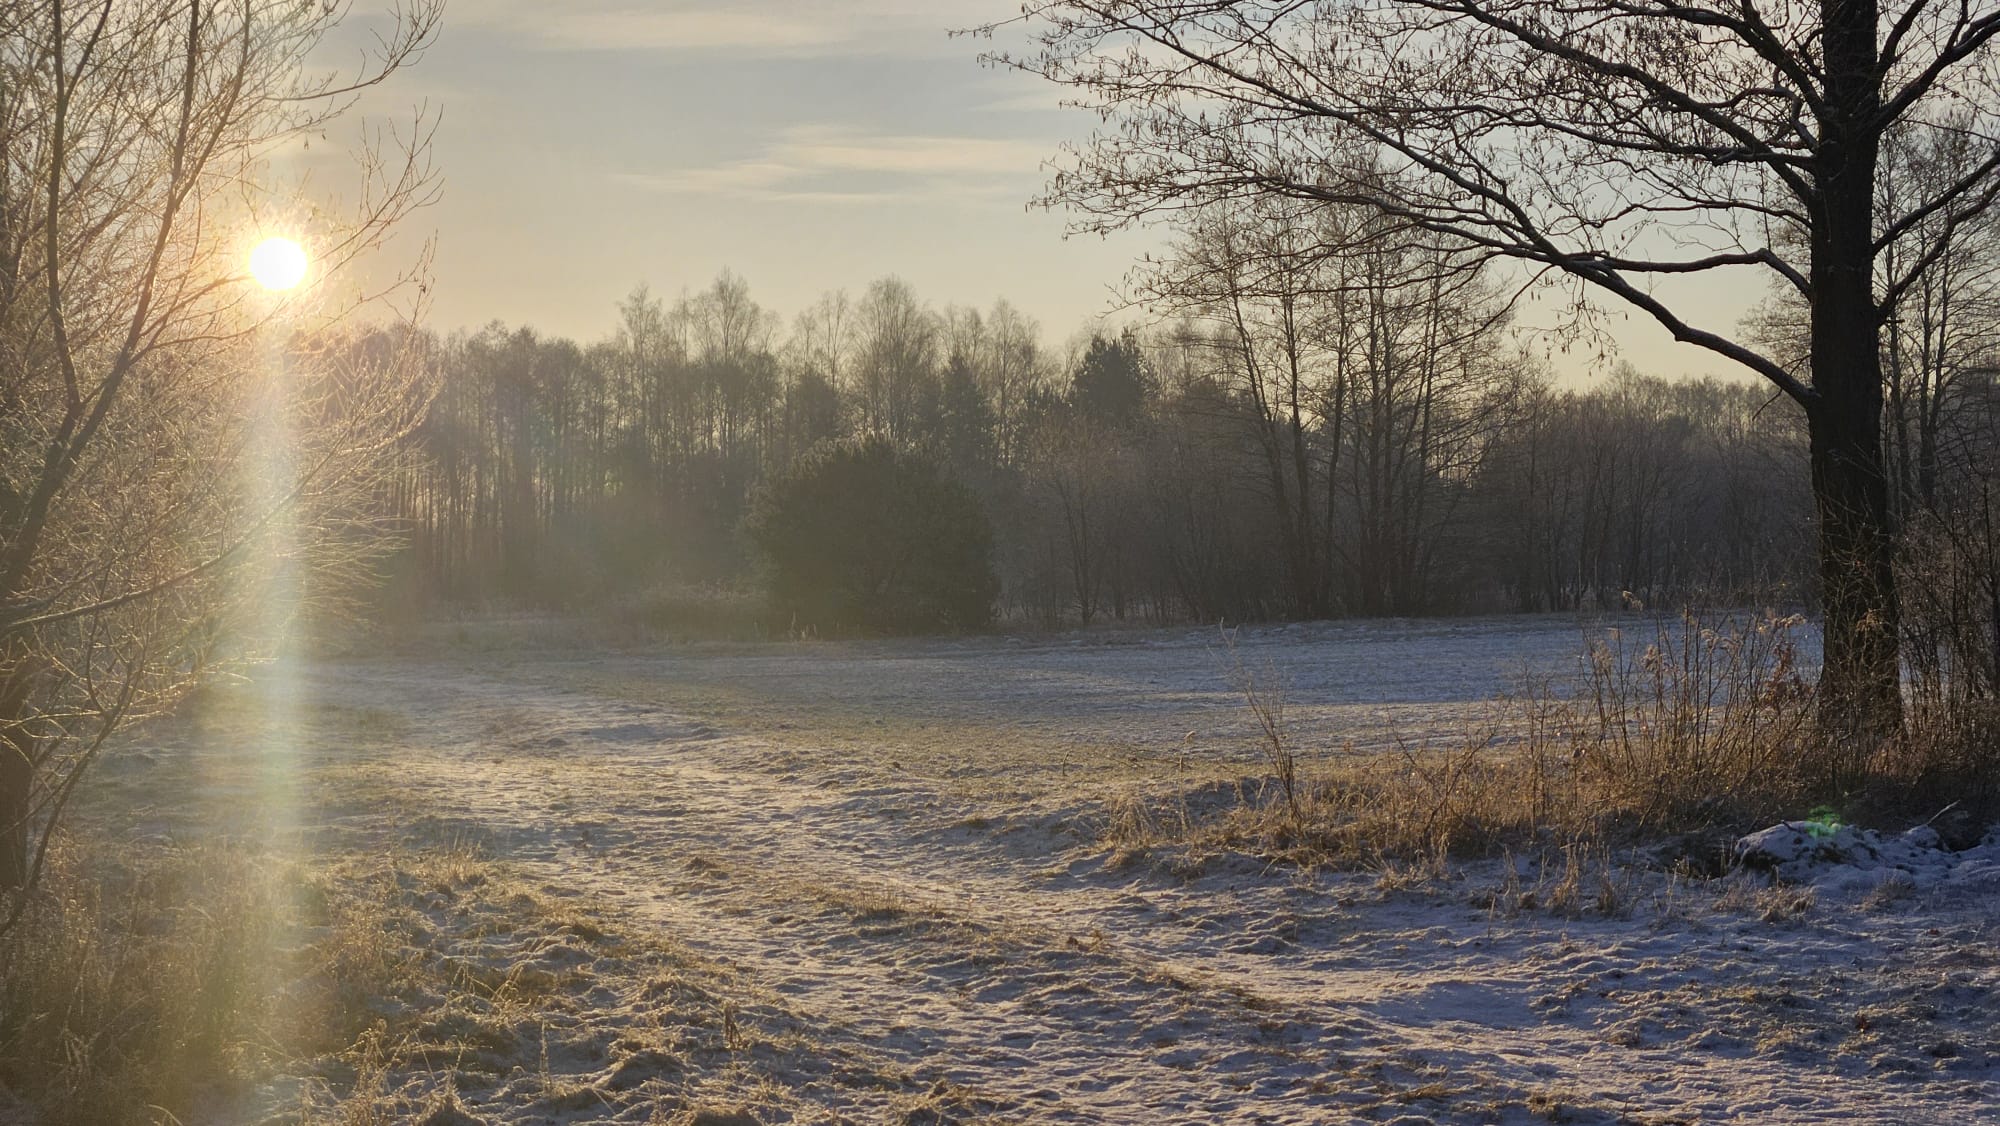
(278, 263)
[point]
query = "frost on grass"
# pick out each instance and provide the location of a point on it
(953, 882)
(502, 1002)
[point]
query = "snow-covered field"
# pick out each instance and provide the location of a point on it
(881, 865)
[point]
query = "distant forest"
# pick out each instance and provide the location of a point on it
(1361, 436)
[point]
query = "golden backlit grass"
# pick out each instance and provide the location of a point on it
(1690, 732)
(133, 993)
(160, 988)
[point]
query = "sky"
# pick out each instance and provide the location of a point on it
(592, 146)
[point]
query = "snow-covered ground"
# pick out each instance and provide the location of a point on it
(891, 854)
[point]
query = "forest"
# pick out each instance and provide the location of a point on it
(1284, 446)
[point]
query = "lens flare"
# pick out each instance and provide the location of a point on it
(278, 263)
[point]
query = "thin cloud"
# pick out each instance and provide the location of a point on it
(831, 165)
(779, 28)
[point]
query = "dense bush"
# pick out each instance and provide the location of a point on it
(865, 536)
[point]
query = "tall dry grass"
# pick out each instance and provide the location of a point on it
(1694, 723)
(1949, 579)
(1692, 730)
(1695, 726)
(142, 993)
(169, 988)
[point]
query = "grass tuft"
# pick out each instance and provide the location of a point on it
(135, 994)
(1692, 731)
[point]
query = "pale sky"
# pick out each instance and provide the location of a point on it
(809, 145)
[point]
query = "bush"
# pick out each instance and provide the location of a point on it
(865, 536)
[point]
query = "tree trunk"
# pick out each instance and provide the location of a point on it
(17, 774)
(1860, 678)
(15, 778)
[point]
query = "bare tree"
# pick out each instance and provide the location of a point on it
(180, 447)
(1277, 313)
(1360, 347)
(1603, 143)
(896, 360)
(1948, 325)
(1013, 369)
(1084, 470)
(823, 338)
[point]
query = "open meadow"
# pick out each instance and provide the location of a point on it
(581, 563)
(517, 878)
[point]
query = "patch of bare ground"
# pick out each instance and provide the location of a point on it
(555, 894)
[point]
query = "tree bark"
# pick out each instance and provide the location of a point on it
(1860, 677)
(15, 777)
(17, 774)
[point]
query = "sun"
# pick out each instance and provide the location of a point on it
(278, 263)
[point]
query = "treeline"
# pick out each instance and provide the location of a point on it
(1371, 443)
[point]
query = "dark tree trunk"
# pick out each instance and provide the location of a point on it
(17, 775)
(1860, 678)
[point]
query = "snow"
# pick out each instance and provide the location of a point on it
(1847, 861)
(893, 850)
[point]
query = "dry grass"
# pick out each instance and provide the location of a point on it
(1773, 903)
(1575, 880)
(500, 991)
(1700, 722)
(1264, 697)
(1948, 759)
(1696, 730)
(394, 983)
(159, 991)
(131, 995)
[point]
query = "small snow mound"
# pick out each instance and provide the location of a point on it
(1923, 837)
(1842, 859)
(1979, 875)
(1791, 845)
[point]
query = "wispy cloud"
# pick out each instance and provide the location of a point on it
(836, 165)
(754, 27)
